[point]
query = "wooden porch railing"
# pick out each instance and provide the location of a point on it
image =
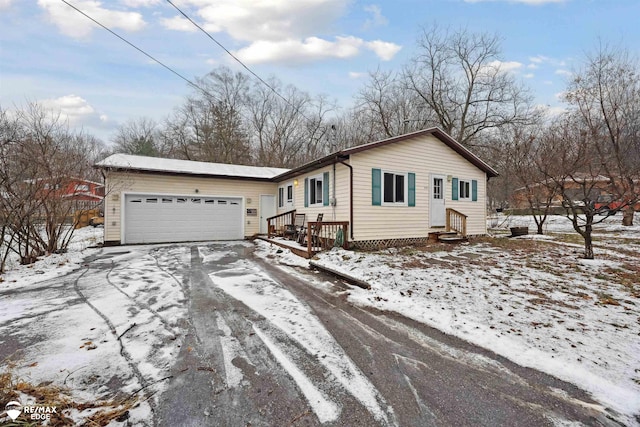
(456, 221)
(276, 225)
(322, 236)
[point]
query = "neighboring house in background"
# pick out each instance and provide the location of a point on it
(85, 193)
(598, 188)
(394, 191)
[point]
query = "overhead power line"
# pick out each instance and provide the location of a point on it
(135, 47)
(297, 109)
(189, 82)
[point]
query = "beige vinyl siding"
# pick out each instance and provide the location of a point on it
(476, 211)
(119, 183)
(339, 212)
(423, 156)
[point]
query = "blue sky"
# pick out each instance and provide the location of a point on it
(51, 54)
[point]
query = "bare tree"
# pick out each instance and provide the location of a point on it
(211, 125)
(40, 157)
(389, 108)
(605, 95)
(522, 160)
(138, 136)
(569, 161)
(458, 75)
(287, 132)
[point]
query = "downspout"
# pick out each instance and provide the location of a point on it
(350, 196)
(335, 202)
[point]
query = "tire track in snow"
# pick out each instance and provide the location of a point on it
(325, 409)
(245, 282)
(140, 304)
(123, 351)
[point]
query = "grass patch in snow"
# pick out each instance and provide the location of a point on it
(68, 411)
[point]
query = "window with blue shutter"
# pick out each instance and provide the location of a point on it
(412, 189)
(376, 187)
(464, 189)
(316, 190)
(325, 189)
(454, 189)
(474, 190)
(392, 188)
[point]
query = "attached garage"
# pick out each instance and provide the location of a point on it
(156, 200)
(160, 218)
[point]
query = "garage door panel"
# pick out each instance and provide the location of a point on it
(155, 219)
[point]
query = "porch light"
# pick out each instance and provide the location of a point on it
(295, 182)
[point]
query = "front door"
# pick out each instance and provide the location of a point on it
(267, 210)
(437, 211)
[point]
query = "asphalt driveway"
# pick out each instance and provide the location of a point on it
(209, 335)
(267, 348)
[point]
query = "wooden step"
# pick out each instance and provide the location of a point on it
(451, 237)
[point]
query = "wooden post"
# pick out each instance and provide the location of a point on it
(309, 244)
(448, 220)
(345, 236)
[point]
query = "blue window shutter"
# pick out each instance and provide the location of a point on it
(454, 189)
(474, 190)
(412, 189)
(325, 189)
(306, 192)
(376, 187)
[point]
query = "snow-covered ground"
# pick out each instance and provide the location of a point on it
(106, 335)
(532, 299)
(55, 265)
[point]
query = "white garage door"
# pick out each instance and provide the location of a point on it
(156, 219)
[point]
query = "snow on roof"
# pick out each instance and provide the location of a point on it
(156, 164)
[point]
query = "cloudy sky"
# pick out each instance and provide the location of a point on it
(52, 54)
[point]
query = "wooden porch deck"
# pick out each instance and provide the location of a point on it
(318, 235)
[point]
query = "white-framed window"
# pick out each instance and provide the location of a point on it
(314, 190)
(394, 188)
(285, 196)
(438, 188)
(82, 187)
(464, 190)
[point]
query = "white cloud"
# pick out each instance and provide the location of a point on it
(296, 51)
(555, 110)
(560, 95)
(529, 2)
(356, 75)
(384, 50)
(75, 109)
(539, 59)
(501, 67)
(532, 66)
(312, 49)
(529, 76)
(285, 31)
(5, 4)
(140, 3)
(376, 19)
(272, 20)
(506, 66)
(564, 73)
(74, 24)
(178, 23)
